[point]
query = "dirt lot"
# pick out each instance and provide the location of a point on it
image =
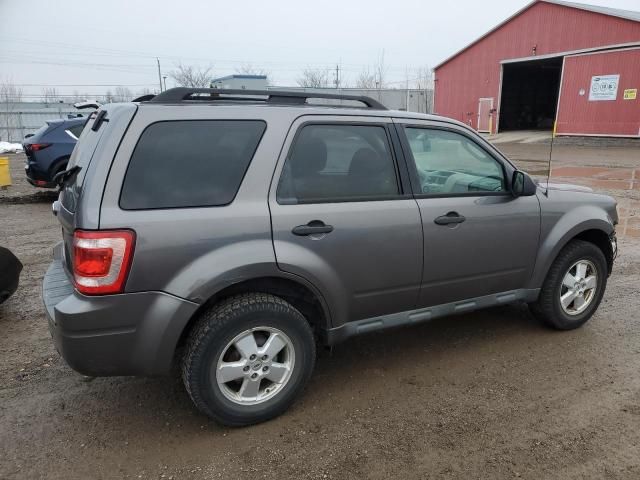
(486, 395)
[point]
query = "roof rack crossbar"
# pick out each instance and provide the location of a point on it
(182, 94)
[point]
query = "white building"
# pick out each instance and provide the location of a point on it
(241, 82)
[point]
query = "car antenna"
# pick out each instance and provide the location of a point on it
(553, 135)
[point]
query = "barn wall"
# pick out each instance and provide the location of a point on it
(577, 115)
(475, 73)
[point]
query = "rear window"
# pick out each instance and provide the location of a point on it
(42, 130)
(76, 130)
(189, 163)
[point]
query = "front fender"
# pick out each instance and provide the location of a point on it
(559, 230)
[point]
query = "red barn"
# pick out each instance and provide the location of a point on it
(552, 63)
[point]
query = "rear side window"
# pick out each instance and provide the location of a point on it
(189, 163)
(338, 163)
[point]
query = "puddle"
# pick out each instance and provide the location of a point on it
(629, 218)
(607, 173)
(599, 177)
(619, 182)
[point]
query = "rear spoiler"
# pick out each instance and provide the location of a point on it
(82, 105)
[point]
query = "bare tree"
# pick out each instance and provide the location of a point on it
(50, 95)
(380, 70)
(77, 97)
(10, 95)
(373, 76)
(108, 97)
(366, 79)
(314, 78)
(424, 78)
(250, 69)
(122, 94)
(9, 92)
(143, 92)
(190, 76)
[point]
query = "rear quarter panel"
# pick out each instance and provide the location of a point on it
(195, 252)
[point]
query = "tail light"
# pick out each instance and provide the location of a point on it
(101, 260)
(35, 147)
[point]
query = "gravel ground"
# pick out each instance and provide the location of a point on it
(491, 394)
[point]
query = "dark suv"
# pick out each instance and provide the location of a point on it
(229, 231)
(48, 150)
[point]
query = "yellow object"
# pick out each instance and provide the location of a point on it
(554, 130)
(5, 175)
(630, 93)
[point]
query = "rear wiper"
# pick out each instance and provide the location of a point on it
(63, 177)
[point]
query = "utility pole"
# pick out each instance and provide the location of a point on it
(164, 77)
(159, 74)
(406, 72)
(337, 76)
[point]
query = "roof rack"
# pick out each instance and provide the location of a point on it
(183, 94)
(144, 98)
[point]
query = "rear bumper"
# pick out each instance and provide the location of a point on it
(10, 268)
(126, 334)
(38, 179)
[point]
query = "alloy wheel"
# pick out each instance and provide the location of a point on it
(578, 287)
(255, 365)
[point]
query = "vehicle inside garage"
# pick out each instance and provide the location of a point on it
(530, 94)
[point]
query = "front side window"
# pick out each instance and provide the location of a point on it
(189, 163)
(335, 163)
(449, 163)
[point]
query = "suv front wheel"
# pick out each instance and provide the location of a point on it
(574, 286)
(248, 358)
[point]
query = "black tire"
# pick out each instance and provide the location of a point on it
(58, 166)
(548, 307)
(217, 327)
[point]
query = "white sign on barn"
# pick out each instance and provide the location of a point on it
(604, 87)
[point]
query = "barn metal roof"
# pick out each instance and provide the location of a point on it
(612, 12)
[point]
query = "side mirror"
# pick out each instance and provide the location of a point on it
(522, 185)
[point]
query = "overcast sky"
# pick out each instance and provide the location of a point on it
(91, 46)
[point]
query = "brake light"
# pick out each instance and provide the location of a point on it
(101, 260)
(35, 147)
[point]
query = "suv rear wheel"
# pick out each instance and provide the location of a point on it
(248, 358)
(574, 286)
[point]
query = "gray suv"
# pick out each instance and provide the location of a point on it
(230, 232)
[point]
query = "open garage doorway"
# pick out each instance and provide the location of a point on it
(529, 97)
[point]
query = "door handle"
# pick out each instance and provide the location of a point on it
(449, 219)
(311, 228)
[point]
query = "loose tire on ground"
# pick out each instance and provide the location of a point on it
(548, 307)
(208, 347)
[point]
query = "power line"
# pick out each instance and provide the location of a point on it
(130, 53)
(84, 84)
